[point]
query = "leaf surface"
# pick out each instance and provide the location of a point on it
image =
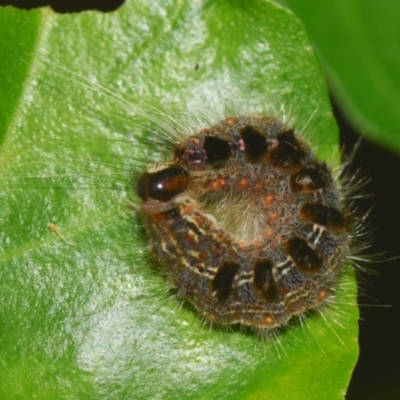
(83, 314)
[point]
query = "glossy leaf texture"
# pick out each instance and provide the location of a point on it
(358, 42)
(83, 312)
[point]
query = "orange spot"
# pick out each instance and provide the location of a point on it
(217, 184)
(268, 234)
(230, 121)
(186, 208)
(191, 239)
(244, 183)
(258, 186)
(206, 131)
(322, 295)
(272, 218)
(268, 320)
(159, 217)
(268, 200)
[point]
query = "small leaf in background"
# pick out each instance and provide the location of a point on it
(358, 44)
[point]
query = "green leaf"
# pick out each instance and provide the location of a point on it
(83, 314)
(357, 41)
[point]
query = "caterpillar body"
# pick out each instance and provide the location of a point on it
(249, 226)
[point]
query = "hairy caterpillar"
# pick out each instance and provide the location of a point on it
(247, 223)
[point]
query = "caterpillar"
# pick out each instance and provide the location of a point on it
(248, 224)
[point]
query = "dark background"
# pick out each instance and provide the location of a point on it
(377, 375)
